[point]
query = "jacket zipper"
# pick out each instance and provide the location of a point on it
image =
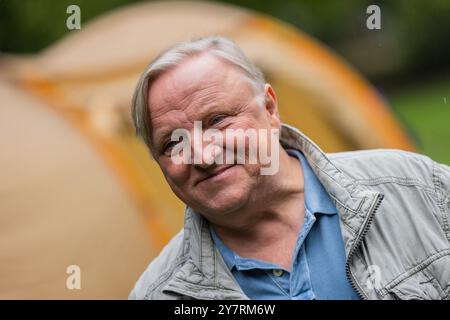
(356, 245)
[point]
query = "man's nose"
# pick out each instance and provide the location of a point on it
(205, 155)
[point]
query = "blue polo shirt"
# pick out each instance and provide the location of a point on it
(318, 264)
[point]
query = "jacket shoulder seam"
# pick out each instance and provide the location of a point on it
(394, 179)
(437, 180)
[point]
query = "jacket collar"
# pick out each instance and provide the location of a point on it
(204, 274)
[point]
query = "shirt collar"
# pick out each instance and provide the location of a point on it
(233, 260)
(317, 199)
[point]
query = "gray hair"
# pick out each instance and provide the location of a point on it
(218, 46)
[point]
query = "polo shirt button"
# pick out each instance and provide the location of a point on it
(277, 272)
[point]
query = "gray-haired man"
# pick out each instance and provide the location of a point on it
(367, 224)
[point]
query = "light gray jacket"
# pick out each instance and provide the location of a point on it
(394, 209)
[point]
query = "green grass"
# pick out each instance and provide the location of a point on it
(425, 112)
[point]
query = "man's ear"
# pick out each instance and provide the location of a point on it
(271, 105)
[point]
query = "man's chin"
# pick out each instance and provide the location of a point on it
(223, 206)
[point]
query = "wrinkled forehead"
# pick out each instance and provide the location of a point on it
(198, 83)
(195, 77)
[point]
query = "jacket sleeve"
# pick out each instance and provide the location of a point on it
(162, 264)
(441, 177)
(132, 295)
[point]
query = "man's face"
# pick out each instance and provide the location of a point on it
(207, 89)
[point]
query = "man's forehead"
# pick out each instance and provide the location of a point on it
(192, 74)
(202, 78)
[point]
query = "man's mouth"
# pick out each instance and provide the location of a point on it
(217, 173)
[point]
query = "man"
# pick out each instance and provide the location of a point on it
(354, 225)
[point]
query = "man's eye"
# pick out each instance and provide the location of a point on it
(169, 145)
(217, 119)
